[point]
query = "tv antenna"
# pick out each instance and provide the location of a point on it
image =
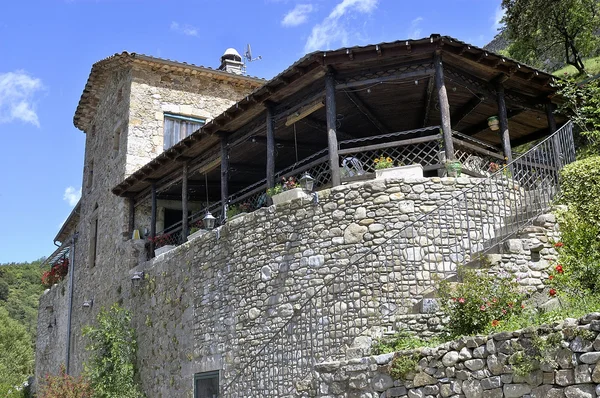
(248, 55)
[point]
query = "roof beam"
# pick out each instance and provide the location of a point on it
(469, 107)
(287, 144)
(428, 100)
(376, 80)
(478, 128)
(361, 106)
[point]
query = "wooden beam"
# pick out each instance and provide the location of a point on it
(153, 218)
(184, 201)
(270, 172)
(469, 107)
(376, 80)
(503, 118)
(334, 162)
(316, 123)
(428, 98)
(246, 168)
(224, 175)
(444, 106)
(286, 143)
(361, 106)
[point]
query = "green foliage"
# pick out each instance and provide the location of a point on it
(402, 365)
(581, 102)
(65, 386)
(16, 355)
(592, 66)
(560, 31)
(481, 301)
(402, 340)
(111, 369)
(4, 290)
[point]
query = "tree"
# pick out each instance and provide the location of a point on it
(16, 355)
(546, 30)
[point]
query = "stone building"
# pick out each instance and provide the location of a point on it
(248, 308)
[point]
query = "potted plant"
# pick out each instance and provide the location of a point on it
(385, 167)
(453, 168)
(162, 244)
(234, 211)
(196, 230)
(286, 191)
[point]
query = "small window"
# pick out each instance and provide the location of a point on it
(93, 237)
(206, 385)
(90, 177)
(117, 140)
(177, 127)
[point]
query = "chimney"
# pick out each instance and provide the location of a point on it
(231, 61)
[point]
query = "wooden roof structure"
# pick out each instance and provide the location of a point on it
(380, 88)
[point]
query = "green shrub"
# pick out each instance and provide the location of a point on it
(402, 340)
(482, 301)
(16, 356)
(580, 189)
(402, 365)
(111, 369)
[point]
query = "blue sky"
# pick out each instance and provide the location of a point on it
(47, 48)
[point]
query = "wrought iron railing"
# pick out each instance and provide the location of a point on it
(379, 285)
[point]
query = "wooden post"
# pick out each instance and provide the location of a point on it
(224, 175)
(444, 106)
(270, 125)
(184, 201)
(551, 130)
(153, 219)
(131, 226)
(503, 118)
(334, 161)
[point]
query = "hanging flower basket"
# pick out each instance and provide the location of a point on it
(494, 123)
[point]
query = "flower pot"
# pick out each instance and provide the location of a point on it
(196, 234)
(412, 171)
(291, 194)
(163, 249)
(493, 123)
(454, 169)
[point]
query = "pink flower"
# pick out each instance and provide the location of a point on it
(482, 308)
(461, 300)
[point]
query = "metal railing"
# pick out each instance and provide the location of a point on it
(371, 291)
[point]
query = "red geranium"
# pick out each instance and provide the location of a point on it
(559, 269)
(559, 244)
(552, 292)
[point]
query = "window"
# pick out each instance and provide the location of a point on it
(206, 385)
(178, 127)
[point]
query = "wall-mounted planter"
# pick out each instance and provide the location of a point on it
(163, 249)
(413, 171)
(291, 194)
(196, 234)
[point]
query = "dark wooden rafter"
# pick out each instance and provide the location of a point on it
(466, 109)
(246, 168)
(184, 199)
(287, 143)
(503, 119)
(314, 122)
(381, 79)
(365, 110)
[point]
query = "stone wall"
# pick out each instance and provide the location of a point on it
(552, 361)
(214, 302)
(51, 330)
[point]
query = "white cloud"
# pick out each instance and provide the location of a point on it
(334, 29)
(298, 15)
(17, 90)
(497, 18)
(415, 28)
(185, 29)
(72, 195)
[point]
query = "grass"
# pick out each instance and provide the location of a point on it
(592, 66)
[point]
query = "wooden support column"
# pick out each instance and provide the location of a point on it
(334, 161)
(551, 130)
(270, 125)
(184, 200)
(153, 218)
(131, 226)
(224, 175)
(444, 106)
(503, 119)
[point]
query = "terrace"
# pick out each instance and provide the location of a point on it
(331, 113)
